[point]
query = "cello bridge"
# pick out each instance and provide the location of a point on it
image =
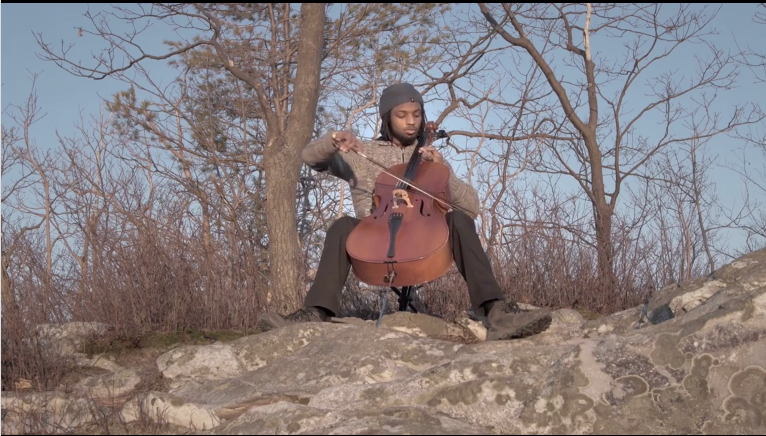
(401, 195)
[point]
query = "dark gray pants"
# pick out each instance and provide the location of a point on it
(467, 252)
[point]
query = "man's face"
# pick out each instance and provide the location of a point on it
(405, 122)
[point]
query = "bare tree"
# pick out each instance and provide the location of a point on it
(273, 89)
(677, 193)
(11, 160)
(282, 57)
(753, 220)
(753, 176)
(35, 168)
(755, 58)
(594, 149)
(178, 194)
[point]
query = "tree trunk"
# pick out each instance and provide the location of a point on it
(282, 158)
(603, 213)
(607, 279)
(698, 207)
(281, 180)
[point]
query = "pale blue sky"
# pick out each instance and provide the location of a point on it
(63, 97)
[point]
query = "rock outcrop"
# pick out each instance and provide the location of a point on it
(692, 361)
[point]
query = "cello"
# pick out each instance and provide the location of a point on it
(405, 240)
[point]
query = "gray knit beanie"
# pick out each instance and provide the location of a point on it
(397, 94)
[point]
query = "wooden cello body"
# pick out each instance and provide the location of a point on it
(405, 241)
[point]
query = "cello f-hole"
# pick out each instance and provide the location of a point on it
(385, 209)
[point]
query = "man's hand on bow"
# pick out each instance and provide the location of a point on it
(345, 141)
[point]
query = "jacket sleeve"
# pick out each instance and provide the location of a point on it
(463, 194)
(320, 155)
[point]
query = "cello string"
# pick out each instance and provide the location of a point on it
(406, 182)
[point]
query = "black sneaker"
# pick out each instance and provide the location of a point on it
(507, 321)
(271, 321)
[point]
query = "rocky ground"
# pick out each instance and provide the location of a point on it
(692, 361)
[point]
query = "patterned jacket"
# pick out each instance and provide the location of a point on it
(320, 155)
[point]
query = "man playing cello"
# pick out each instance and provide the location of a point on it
(403, 122)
